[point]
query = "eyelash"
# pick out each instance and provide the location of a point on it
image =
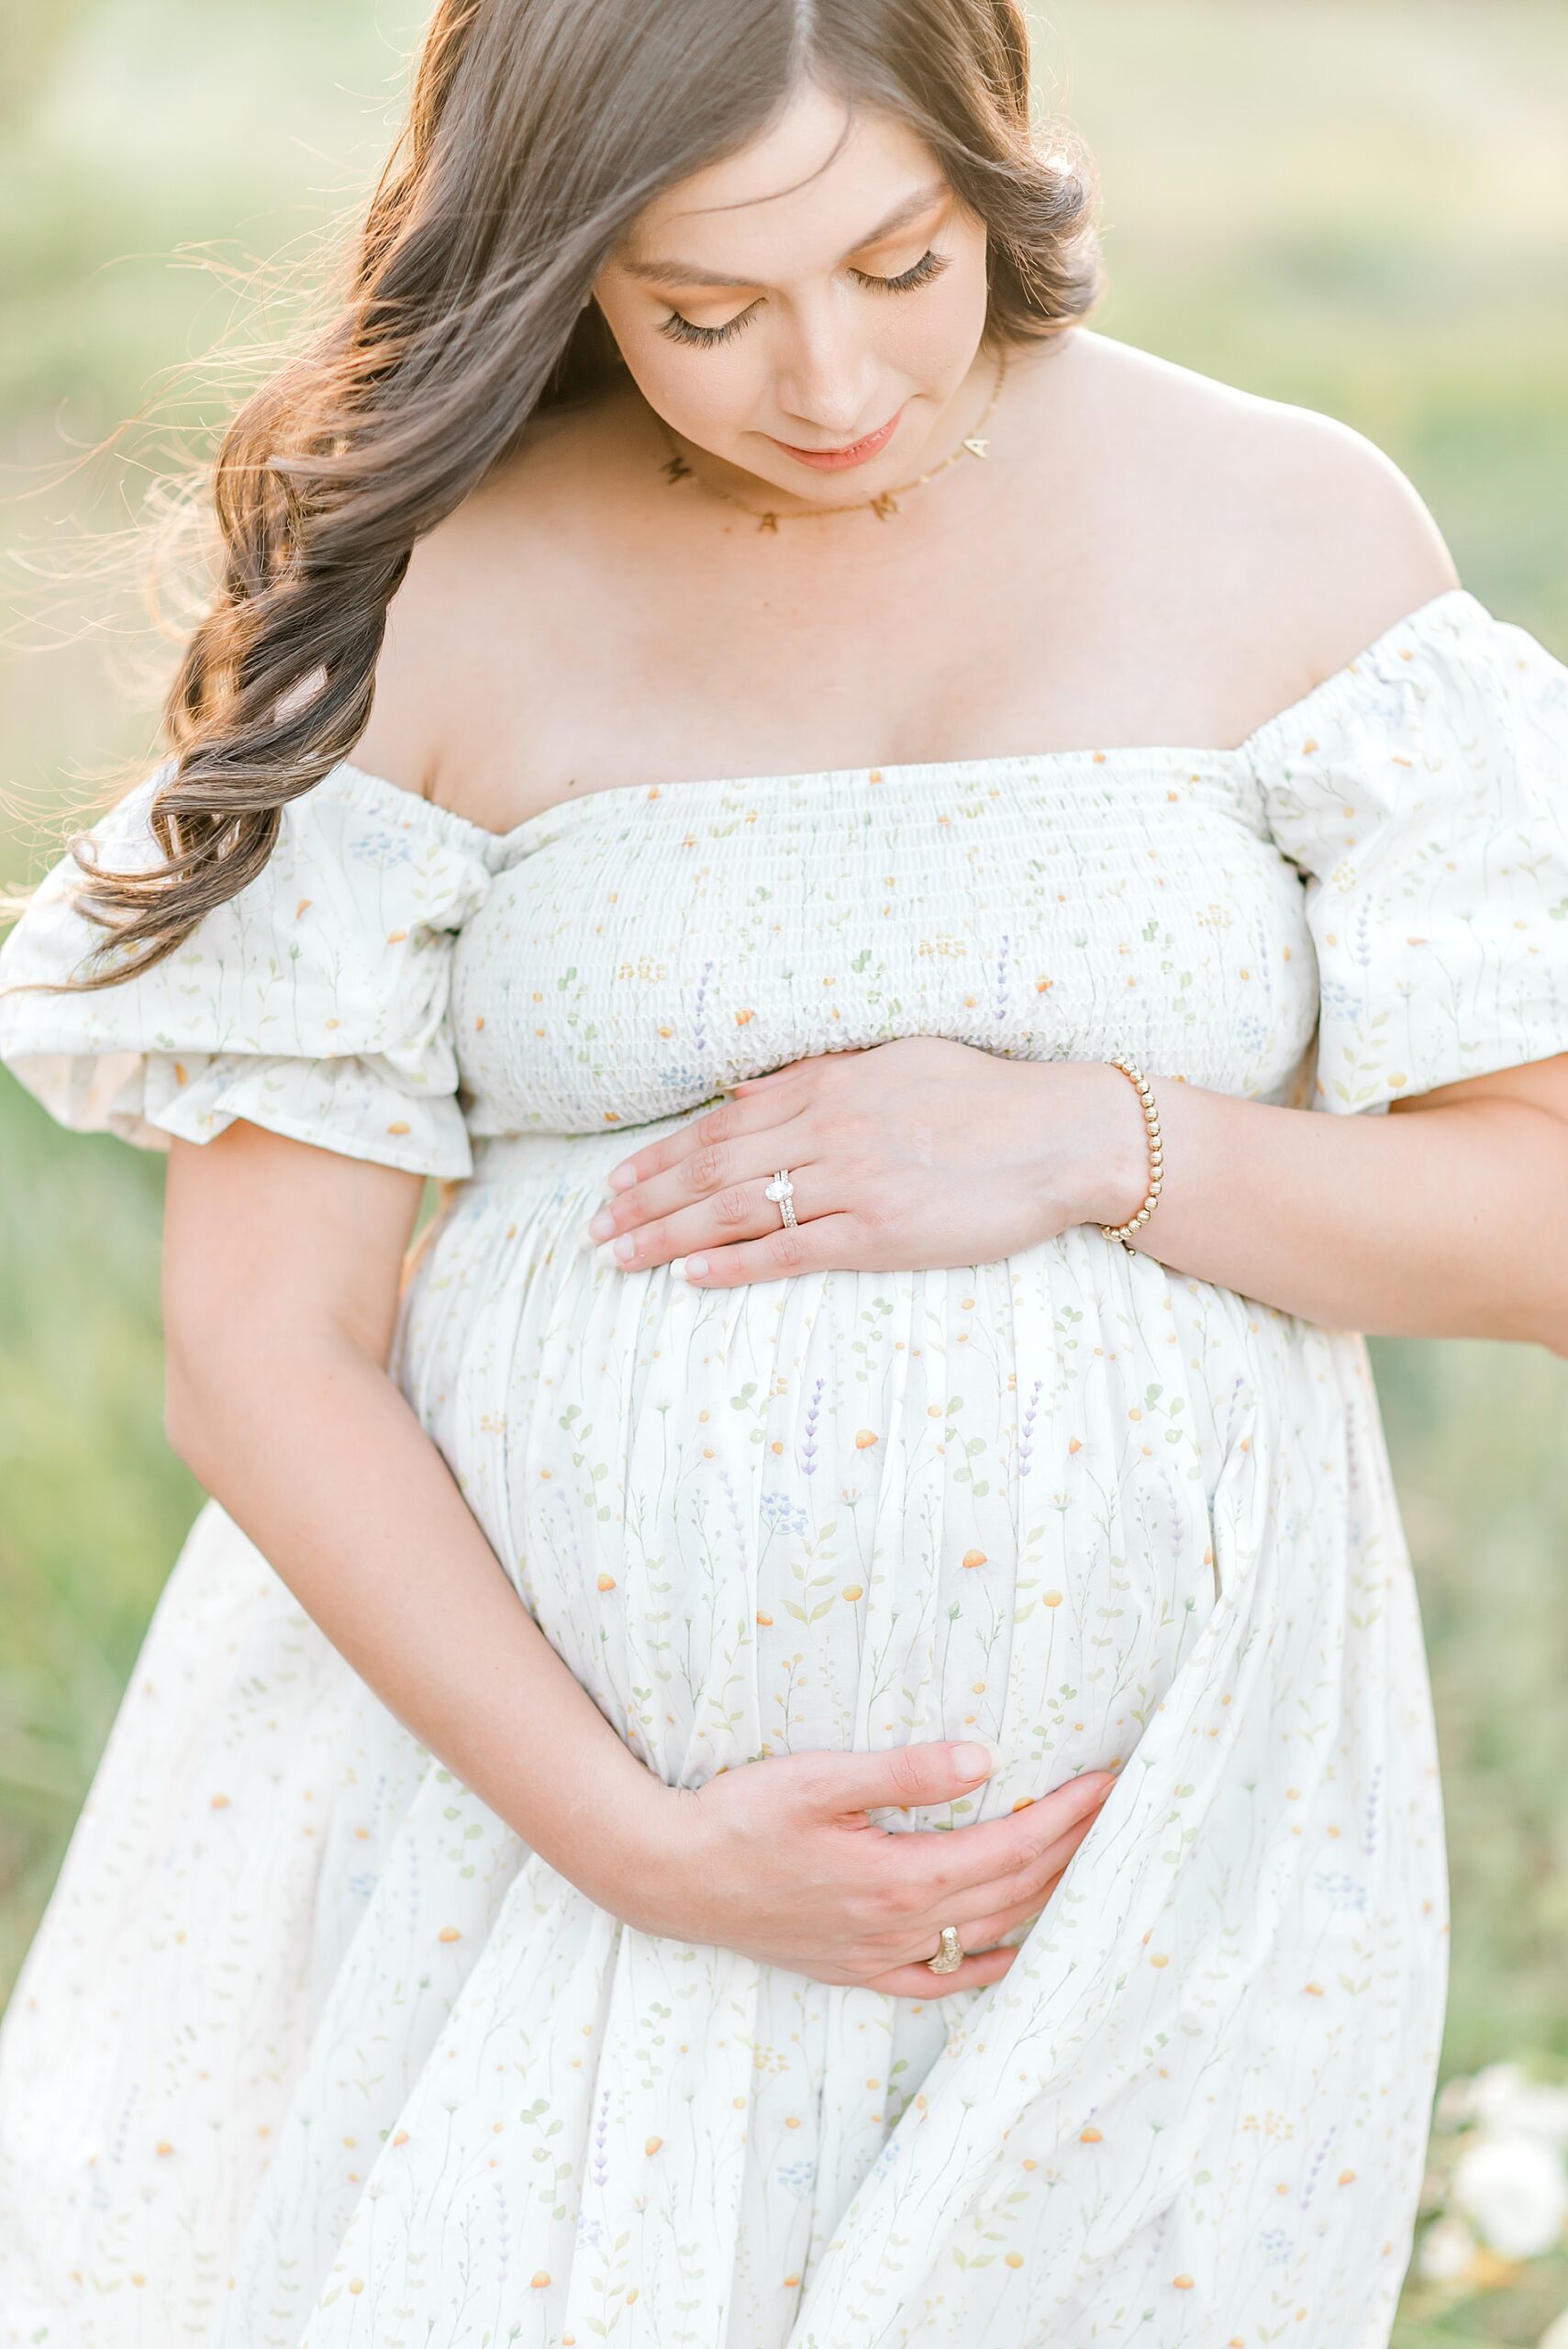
(929, 265)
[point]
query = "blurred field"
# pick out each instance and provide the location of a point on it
(1358, 204)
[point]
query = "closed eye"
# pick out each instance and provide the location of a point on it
(929, 265)
(679, 329)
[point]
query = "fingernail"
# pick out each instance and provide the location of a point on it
(974, 1760)
(676, 1268)
(694, 1267)
(601, 1225)
(622, 1178)
(604, 1254)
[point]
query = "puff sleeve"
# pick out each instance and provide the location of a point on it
(315, 1002)
(1423, 792)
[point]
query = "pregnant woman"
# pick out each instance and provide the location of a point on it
(805, 1729)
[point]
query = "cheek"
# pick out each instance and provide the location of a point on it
(711, 397)
(932, 334)
(708, 396)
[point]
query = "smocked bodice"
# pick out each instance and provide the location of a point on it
(1384, 863)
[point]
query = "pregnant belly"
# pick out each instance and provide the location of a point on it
(845, 1509)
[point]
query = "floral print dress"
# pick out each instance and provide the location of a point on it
(311, 2051)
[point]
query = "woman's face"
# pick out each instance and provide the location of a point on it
(776, 305)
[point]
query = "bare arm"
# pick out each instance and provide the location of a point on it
(1448, 1218)
(281, 1272)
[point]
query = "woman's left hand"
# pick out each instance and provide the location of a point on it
(916, 1152)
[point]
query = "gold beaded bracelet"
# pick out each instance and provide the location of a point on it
(1156, 1158)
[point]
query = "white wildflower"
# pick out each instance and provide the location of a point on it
(1505, 2100)
(1515, 2188)
(1445, 2251)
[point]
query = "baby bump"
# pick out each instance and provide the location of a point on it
(846, 1509)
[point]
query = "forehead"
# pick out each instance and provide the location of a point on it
(818, 178)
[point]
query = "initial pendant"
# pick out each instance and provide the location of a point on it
(769, 522)
(977, 447)
(677, 469)
(884, 504)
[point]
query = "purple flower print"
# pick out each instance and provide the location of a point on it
(999, 983)
(1025, 1433)
(699, 1010)
(1319, 2157)
(808, 1443)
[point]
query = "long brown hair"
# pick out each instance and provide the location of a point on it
(537, 132)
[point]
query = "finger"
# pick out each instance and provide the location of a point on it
(980, 1935)
(738, 1214)
(984, 1931)
(724, 1123)
(936, 1866)
(891, 1777)
(983, 1914)
(919, 1982)
(715, 1194)
(1037, 1863)
(818, 1244)
(915, 1778)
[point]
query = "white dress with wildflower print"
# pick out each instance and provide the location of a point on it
(311, 2050)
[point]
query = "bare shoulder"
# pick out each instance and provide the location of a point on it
(1307, 535)
(476, 602)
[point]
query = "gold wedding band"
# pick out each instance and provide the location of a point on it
(950, 1957)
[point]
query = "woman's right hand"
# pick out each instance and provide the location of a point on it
(778, 1859)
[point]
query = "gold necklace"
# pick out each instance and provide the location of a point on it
(885, 503)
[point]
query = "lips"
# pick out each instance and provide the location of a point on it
(854, 453)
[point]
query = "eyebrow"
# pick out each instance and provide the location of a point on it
(681, 272)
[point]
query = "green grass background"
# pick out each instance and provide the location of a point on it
(1357, 205)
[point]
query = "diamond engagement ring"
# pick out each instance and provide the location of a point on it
(950, 1957)
(782, 1190)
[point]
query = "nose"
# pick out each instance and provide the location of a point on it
(826, 386)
